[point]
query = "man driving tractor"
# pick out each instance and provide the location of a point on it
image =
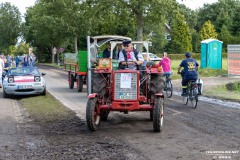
(130, 58)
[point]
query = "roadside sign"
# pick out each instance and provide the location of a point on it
(61, 50)
(233, 59)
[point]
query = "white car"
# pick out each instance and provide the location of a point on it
(152, 56)
(24, 81)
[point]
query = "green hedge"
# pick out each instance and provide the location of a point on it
(181, 56)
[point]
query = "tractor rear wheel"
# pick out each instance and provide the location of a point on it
(156, 85)
(99, 84)
(151, 115)
(92, 116)
(158, 114)
(104, 115)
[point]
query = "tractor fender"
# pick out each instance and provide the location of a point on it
(159, 95)
(93, 95)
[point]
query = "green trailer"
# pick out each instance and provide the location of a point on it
(76, 66)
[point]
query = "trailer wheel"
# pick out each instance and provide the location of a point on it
(79, 83)
(104, 115)
(158, 114)
(92, 115)
(71, 81)
(99, 85)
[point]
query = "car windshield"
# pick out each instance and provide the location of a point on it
(23, 71)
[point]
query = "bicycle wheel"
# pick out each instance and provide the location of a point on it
(169, 89)
(194, 99)
(185, 100)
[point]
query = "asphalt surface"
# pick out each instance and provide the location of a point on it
(208, 132)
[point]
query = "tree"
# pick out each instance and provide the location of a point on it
(225, 36)
(48, 24)
(180, 34)
(236, 22)
(10, 19)
(208, 31)
(219, 13)
(139, 14)
(195, 41)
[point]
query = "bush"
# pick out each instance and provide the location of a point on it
(233, 86)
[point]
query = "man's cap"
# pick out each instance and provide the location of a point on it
(188, 54)
(126, 42)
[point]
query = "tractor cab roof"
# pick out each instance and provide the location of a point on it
(101, 40)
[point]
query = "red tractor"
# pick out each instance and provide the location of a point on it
(122, 90)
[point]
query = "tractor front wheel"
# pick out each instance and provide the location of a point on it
(158, 114)
(92, 115)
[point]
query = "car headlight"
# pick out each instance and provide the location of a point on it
(10, 80)
(37, 79)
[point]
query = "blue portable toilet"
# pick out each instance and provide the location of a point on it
(211, 54)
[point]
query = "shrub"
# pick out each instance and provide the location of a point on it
(233, 86)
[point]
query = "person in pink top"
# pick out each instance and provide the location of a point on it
(166, 65)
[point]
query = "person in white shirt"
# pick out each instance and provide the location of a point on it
(129, 57)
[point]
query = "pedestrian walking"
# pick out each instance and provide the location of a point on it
(1, 69)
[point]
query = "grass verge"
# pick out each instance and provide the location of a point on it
(45, 108)
(230, 91)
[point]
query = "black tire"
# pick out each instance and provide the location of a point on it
(79, 83)
(194, 99)
(151, 115)
(185, 100)
(5, 95)
(71, 81)
(156, 85)
(99, 85)
(158, 114)
(85, 79)
(92, 117)
(169, 89)
(44, 92)
(104, 115)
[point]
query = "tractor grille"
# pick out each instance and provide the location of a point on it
(125, 86)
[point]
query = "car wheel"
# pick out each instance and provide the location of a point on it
(5, 95)
(44, 92)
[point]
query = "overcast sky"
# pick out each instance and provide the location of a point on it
(22, 4)
(195, 4)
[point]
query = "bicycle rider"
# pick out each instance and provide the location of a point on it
(166, 65)
(189, 72)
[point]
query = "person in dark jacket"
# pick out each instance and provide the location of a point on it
(17, 61)
(189, 72)
(107, 52)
